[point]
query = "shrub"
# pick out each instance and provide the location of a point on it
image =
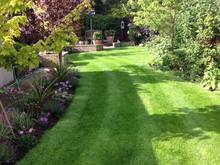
(18, 46)
(5, 133)
(27, 141)
(110, 33)
(60, 73)
(7, 152)
(74, 73)
(211, 78)
(22, 121)
(97, 36)
(54, 107)
(139, 35)
(74, 82)
(40, 93)
(43, 119)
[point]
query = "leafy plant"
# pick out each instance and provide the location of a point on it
(43, 119)
(40, 92)
(211, 78)
(74, 73)
(22, 121)
(27, 141)
(7, 152)
(110, 33)
(60, 73)
(18, 45)
(54, 107)
(74, 82)
(139, 35)
(97, 36)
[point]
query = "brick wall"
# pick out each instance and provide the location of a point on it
(88, 48)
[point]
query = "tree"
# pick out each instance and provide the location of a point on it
(159, 15)
(11, 19)
(46, 16)
(57, 29)
(55, 22)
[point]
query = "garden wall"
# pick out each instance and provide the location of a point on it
(87, 48)
(50, 60)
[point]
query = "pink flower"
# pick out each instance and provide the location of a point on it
(21, 132)
(46, 120)
(67, 82)
(31, 130)
(41, 119)
(24, 127)
(48, 114)
(60, 89)
(64, 96)
(56, 92)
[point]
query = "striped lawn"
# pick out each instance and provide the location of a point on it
(125, 112)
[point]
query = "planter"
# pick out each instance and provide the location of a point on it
(98, 42)
(110, 40)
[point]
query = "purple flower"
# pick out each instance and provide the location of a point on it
(56, 92)
(31, 130)
(60, 89)
(21, 132)
(67, 82)
(65, 93)
(23, 113)
(24, 127)
(64, 96)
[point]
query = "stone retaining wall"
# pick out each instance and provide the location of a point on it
(50, 60)
(87, 48)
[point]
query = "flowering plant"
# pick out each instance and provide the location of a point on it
(43, 119)
(7, 151)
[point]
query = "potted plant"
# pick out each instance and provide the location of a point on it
(110, 36)
(97, 36)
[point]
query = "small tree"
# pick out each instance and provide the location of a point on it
(11, 18)
(55, 22)
(159, 15)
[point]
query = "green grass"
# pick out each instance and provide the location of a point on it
(125, 112)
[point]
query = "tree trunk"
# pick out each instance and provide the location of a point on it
(60, 58)
(172, 35)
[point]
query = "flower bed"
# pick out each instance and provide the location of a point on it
(32, 113)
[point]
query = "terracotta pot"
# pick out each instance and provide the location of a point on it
(98, 42)
(110, 39)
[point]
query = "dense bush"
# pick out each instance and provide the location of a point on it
(195, 50)
(7, 151)
(54, 107)
(139, 35)
(27, 141)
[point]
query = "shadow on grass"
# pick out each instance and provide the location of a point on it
(116, 127)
